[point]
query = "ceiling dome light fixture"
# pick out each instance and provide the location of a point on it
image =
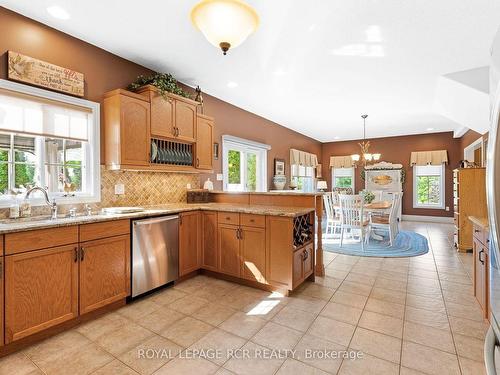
(225, 23)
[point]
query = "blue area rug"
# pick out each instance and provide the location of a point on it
(406, 244)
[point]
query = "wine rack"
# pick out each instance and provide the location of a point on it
(302, 230)
(171, 153)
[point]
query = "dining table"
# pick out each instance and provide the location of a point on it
(378, 207)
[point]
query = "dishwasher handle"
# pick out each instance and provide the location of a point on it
(156, 220)
(490, 343)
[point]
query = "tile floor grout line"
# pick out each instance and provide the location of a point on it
(446, 310)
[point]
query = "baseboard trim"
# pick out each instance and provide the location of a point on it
(432, 219)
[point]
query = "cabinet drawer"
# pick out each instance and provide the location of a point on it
(94, 231)
(228, 218)
(250, 220)
(40, 239)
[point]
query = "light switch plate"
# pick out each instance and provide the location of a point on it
(220, 177)
(119, 189)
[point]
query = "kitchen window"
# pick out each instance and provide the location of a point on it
(48, 140)
(428, 186)
(343, 177)
(303, 177)
(244, 164)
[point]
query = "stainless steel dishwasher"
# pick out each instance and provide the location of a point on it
(155, 253)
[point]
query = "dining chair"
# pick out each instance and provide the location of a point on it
(389, 222)
(352, 217)
(332, 219)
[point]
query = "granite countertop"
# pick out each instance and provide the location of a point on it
(480, 221)
(41, 222)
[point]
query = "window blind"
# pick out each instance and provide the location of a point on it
(21, 113)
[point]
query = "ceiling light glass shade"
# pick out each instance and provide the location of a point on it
(368, 157)
(225, 23)
(376, 157)
(355, 157)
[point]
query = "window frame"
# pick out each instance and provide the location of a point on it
(442, 194)
(245, 146)
(352, 175)
(308, 174)
(92, 147)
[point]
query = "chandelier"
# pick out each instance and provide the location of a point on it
(365, 157)
(225, 23)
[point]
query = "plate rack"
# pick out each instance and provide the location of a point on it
(171, 153)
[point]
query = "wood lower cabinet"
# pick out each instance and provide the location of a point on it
(189, 242)
(287, 266)
(480, 247)
(104, 272)
(204, 143)
(2, 268)
(253, 253)
(41, 290)
(303, 263)
(229, 249)
(209, 246)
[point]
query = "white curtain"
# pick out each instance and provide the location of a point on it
(25, 114)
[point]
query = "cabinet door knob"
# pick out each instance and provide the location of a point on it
(82, 254)
(197, 162)
(480, 258)
(76, 254)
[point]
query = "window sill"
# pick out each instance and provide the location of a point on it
(61, 201)
(429, 207)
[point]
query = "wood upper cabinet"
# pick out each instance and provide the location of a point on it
(189, 242)
(253, 252)
(127, 132)
(210, 258)
(185, 120)
(41, 290)
(162, 116)
(104, 272)
(204, 142)
(162, 113)
(229, 249)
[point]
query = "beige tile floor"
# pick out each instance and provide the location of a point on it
(407, 316)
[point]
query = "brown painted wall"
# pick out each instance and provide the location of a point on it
(105, 71)
(230, 120)
(398, 150)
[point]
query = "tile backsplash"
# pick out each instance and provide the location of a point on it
(141, 188)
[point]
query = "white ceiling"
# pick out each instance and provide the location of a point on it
(312, 66)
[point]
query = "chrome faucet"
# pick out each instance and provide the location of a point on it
(52, 204)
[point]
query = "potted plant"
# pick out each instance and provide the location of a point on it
(367, 195)
(164, 82)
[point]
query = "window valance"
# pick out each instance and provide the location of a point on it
(429, 157)
(22, 113)
(341, 162)
(303, 158)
